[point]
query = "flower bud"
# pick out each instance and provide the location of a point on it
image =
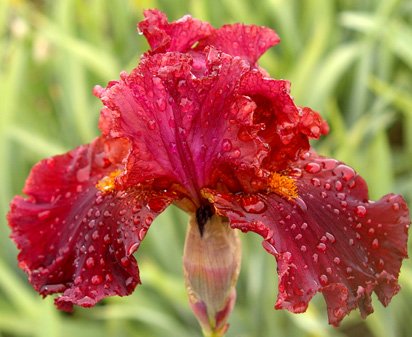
(211, 266)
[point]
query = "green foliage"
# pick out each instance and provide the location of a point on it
(349, 59)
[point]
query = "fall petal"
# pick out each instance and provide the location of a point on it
(75, 239)
(330, 239)
(246, 41)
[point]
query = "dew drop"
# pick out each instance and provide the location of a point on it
(270, 248)
(96, 280)
(161, 104)
(330, 237)
(252, 204)
(360, 211)
(90, 262)
(395, 206)
(315, 257)
(338, 186)
(125, 261)
(133, 248)
(304, 226)
(346, 172)
(315, 182)
(303, 248)
(226, 145)
(151, 124)
(312, 167)
(375, 244)
(43, 215)
(323, 279)
(321, 247)
(298, 237)
(301, 203)
(336, 260)
(148, 221)
(95, 235)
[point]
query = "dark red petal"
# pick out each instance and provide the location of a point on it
(287, 128)
(181, 126)
(74, 239)
(246, 41)
(178, 36)
(331, 239)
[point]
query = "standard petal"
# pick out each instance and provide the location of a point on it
(75, 239)
(247, 41)
(330, 239)
(177, 36)
(287, 127)
(183, 127)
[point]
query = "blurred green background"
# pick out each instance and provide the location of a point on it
(349, 59)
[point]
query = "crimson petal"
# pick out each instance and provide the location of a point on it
(175, 36)
(247, 41)
(287, 127)
(181, 126)
(331, 239)
(75, 239)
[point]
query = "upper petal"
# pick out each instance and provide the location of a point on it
(330, 239)
(178, 36)
(247, 41)
(75, 239)
(181, 125)
(287, 128)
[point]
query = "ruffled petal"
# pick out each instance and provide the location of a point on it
(177, 36)
(247, 41)
(76, 239)
(330, 239)
(181, 126)
(287, 128)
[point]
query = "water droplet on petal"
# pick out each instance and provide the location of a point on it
(226, 145)
(252, 204)
(97, 279)
(90, 262)
(323, 280)
(312, 167)
(321, 247)
(133, 248)
(360, 211)
(346, 172)
(43, 215)
(269, 248)
(375, 244)
(151, 124)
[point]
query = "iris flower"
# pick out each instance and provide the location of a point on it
(200, 125)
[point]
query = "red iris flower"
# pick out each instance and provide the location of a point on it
(200, 125)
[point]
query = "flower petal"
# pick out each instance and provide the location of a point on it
(331, 239)
(287, 128)
(175, 36)
(247, 41)
(75, 239)
(181, 126)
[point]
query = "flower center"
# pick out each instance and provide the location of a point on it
(107, 184)
(203, 214)
(283, 186)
